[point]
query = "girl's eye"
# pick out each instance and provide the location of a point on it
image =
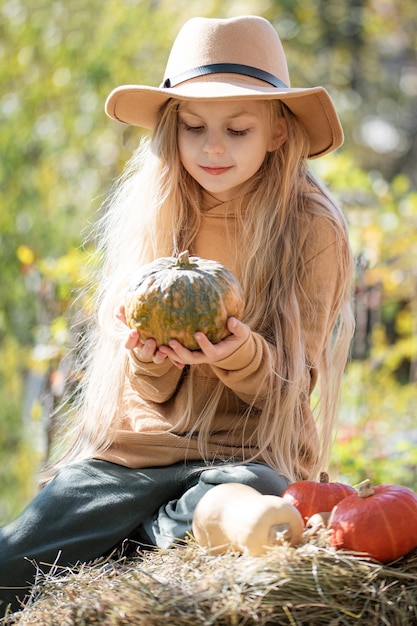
(193, 129)
(238, 133)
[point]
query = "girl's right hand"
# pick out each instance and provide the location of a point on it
(145, 351)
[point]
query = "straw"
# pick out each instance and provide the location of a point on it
(311, 585)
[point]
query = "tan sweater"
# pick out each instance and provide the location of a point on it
(155, 395)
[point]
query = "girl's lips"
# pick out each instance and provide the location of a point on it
(215, 171)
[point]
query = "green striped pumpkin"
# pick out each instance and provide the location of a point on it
(174, 297)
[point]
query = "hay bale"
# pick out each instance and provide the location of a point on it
(311, 585)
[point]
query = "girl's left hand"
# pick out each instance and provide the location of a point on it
(209, 352)
(145, 350)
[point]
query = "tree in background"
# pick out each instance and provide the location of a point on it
(60, 155)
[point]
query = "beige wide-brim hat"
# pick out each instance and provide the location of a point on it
(239, 58)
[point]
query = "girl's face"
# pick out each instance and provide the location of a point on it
(222, 144)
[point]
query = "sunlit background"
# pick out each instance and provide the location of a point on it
(60, 154)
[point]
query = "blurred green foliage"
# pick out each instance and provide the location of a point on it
(60, 155)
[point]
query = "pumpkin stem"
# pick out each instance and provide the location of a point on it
(365, 489)
(324, 477)
(183, 258)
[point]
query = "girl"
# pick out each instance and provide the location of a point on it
(225, 176)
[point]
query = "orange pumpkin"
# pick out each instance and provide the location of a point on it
(379, 521)
(310, 497)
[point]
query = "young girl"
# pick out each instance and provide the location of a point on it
(225, 176)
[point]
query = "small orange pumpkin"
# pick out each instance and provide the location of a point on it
(379, 521)
(310, 497)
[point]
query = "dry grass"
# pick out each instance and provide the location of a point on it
(308, 586)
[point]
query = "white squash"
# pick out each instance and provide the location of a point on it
(238, 517)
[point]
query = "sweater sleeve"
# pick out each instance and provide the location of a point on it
(154, 382)
(320, 285)
(248, 369)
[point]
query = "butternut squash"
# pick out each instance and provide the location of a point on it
(237, 517)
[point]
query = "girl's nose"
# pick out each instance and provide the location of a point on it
(213, 144)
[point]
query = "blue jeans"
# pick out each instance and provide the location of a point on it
(90, 507)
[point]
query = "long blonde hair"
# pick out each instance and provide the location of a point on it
(154, 211)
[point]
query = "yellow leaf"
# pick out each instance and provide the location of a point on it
(25, 255)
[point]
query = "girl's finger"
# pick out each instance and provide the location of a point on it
(132, 340)
(238, 328)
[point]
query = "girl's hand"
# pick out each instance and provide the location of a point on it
(209, 352)
(146, 351)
